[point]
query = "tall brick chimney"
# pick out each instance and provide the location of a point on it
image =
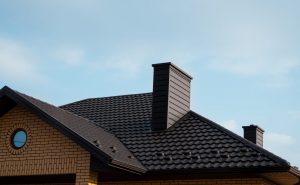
(254, 134)
(171, 95)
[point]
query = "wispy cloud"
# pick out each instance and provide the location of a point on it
(255, 45)
(283, 145)
(70, 55)
(232, 125)
(17, 62)
(274, 72)
(254, 66)
(278, 139)
(129, 60)
(295, 114)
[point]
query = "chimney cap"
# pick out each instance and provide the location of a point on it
(252, 126)
(173, 65)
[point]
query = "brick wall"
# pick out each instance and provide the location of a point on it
(46, 184)
(47, 151)
(249, 181)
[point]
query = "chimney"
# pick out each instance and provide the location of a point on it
(171, 95)
(254, 134)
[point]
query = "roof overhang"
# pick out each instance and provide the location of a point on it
(284, 178)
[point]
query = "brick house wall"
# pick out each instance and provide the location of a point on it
(47, 151)
(256, 181)
(250, 181)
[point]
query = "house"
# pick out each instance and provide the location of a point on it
(140, 139)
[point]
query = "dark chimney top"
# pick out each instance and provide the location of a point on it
(171, 95)
(254, 134)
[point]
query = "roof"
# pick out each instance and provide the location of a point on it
(193, 143)
(99, 142)
(117, 130)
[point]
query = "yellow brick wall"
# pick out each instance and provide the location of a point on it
(46, 184)
(47, 151)
(244, 181)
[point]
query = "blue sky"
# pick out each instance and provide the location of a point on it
(244, 56)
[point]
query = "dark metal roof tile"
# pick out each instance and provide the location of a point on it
(129, 118)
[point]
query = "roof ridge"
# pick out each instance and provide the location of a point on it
(245, 141)
(105, 97)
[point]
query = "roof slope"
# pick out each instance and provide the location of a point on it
(194, 142)
(82, 130)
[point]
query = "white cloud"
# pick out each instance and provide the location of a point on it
(254, 66)
(255, 46)
(278, 139)
(69, 55)
(283, 145)
(130, 64)
(133, 58)
(129, 60)
(16, 62)
(232, 125)
(295, 114)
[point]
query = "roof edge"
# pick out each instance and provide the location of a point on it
(285, 164)
(127, 167)
(47, 118)
(102, 156)
(294, 171)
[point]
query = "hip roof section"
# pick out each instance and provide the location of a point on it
(193, 143)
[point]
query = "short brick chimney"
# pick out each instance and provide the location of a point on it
(171, 95)
(254, 134)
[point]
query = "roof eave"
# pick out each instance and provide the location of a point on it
(223, 170)
(127, 167)
(294, 171)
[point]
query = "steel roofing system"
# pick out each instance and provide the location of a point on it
(118, 131)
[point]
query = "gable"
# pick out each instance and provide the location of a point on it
(102, 145)
(47, 151)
